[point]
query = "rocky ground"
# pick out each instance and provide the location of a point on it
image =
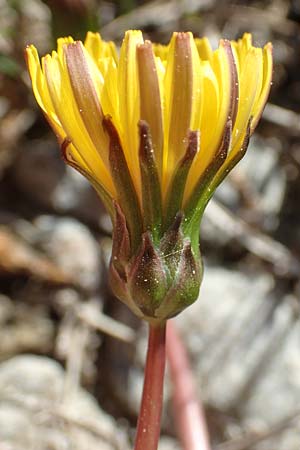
(71, 356)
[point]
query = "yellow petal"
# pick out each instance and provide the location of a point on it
(266, 85)
(254, 78)
(150, 98)
(204, 49)
(161, 51)
(222, 66)
(210, 105)
(98, 48)
(196, 89)
(40, 89)
(70, 118)
(250, 83)
(61, 42)
(182, 87)
(129, 101)
(85, 95)
(109, 91)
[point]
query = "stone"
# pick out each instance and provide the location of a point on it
(73, 248)
(36, 413)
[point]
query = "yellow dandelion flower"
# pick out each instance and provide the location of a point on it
(155, 129)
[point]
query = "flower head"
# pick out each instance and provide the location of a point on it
(155, 129)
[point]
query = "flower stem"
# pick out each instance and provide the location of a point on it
(148, 427)
(189, 416)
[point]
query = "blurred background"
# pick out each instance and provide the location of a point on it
(71, 356)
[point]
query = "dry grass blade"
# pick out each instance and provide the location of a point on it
(101, 322)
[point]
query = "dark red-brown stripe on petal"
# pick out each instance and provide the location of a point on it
(120, 243)
(232, 162)
(234, 95)
(177, 185)
(151, 192)
(203, 189)
(127, 196)
(85, 94)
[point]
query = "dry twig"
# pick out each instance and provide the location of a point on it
(253, 240)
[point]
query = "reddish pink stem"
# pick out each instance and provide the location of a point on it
(189, 417)
(148, 427)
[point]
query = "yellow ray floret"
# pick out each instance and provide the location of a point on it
(176, 88)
